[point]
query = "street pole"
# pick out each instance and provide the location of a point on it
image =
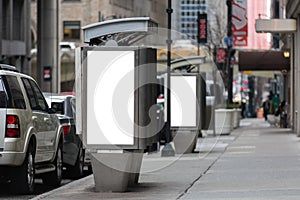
(168, 150)
(201, 76)
(229, 48)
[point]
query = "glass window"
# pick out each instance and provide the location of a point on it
(42, 104)
(71, 29)
(32, 101)
(14, 92)
(36, 98)
(3, 96)
(58, 106)
(73, 106)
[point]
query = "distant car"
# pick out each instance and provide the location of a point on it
(64, 46)
(31, 137)
(178, 51)
(67, 46)
(73, 151)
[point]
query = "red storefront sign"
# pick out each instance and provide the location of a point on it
(221, 55)
(239, 22)
(202, 28)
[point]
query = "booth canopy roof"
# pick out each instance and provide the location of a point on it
(126, 30)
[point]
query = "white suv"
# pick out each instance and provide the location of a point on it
(31, 138)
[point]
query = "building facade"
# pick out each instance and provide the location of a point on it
(293, 12)
(258, 9)
(75, 14)
(188, 16)
(15, 37)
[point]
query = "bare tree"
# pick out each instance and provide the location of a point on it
(217, 21)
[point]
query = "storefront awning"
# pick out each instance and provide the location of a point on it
(263, 60)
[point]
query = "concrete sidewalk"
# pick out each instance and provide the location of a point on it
(254, 162)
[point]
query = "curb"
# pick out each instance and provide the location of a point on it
(62, 188)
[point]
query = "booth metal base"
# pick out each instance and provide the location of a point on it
(115, 172)
(185, 141)
(136, 167)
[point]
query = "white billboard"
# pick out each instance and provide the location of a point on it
(110, 106)
(183, 100)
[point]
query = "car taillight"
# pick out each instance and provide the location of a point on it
(66, 129)
(12, 126)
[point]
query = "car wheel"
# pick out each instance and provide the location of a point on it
(25, 175)
(76, 171)
(54, 178)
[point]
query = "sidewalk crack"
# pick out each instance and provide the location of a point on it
(201, 175)
(209, 167)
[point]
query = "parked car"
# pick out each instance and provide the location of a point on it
(74, 158)
(67, 46)
(31, 137)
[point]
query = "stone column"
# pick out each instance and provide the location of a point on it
(48, 44)
(26, 61)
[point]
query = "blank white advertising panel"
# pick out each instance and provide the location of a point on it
(110, 97)
(183, 101)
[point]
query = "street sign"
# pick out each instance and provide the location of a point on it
(221, 58)
(239, 22)
(221, 55)
(228, 41)
(47, 73)
(202, 28)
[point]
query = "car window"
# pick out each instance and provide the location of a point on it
(58, 106)
(42, 104)
(65, 46)
(14, 92)
(32, 100)
(3, 96)
(36, 99)
(73, 107)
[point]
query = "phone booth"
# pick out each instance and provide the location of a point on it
(116, 99)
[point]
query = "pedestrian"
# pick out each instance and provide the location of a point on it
(266, 107)
(243, 107)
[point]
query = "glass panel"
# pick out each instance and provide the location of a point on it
(39, 96)
(32, 101)
(15, 93)
(3, 96)
(58, 106)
